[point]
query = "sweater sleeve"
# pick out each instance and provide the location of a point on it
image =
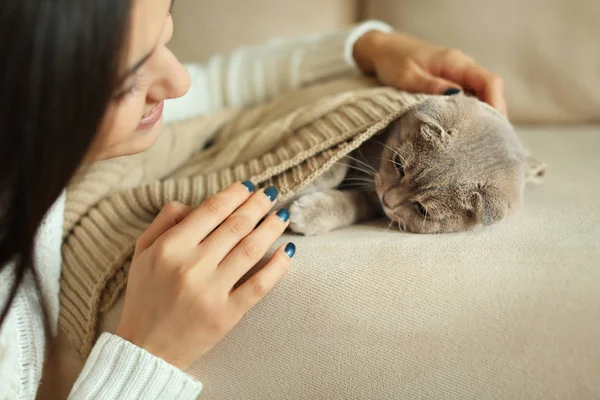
(251, 75)
(117, 369)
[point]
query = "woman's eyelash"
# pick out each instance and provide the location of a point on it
(130, 90)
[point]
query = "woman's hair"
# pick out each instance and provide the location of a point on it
(60, 62)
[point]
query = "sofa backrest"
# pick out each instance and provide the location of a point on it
(547, 51)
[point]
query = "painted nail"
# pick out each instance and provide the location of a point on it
(249, 185)
(290, 249)
(284, 214)
(271, 192)
(452, 92)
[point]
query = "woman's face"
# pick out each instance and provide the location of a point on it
(134, 118)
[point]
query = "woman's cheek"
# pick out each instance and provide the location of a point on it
(125, 124)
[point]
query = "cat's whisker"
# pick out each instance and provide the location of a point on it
(424, 220)
(435, 207)
(369, 166)
(394, 150)
(361, 154)
(371, 173)
(363, 163)
(367, 182)
(390, 225)
(401, 226)
(357, 179)
(358, 187)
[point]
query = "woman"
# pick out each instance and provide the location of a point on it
(86, 81)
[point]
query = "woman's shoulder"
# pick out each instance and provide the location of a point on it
(49, 236)
(48, 258)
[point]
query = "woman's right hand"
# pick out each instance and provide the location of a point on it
(180, 298)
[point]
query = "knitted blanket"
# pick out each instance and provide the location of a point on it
(109, 204)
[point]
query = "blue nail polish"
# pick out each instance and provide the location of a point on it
(271, 192)
(290, 249)
(284, 214)
(249, 185)
(452, 92)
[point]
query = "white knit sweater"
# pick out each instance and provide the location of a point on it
(117, 369)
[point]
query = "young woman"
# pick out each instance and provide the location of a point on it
(87, 80)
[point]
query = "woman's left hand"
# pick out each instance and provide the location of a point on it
(410, 64)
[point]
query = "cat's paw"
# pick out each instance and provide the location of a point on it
(315, 213)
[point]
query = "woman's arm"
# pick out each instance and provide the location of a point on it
(256, 74)
(118, 369)
(251, 75)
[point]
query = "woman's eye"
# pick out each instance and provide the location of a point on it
(422, 210)
(398, 165)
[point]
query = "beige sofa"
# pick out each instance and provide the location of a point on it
(507, 312)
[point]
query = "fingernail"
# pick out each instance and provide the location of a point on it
(284, 214)
(452, 92)
(290, 249)
(249, 185)
(271, 192)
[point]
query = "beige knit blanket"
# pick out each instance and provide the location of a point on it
(288, 143)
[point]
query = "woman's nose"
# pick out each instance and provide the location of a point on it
(172, 80)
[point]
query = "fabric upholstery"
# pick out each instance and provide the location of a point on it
(204, 28)
(506, 312)
(545, 51)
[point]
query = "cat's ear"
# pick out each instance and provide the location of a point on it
(434, 132)
(430, 113)
(535, 169)
(488, 205)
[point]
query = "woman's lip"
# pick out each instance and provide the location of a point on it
(152, 117)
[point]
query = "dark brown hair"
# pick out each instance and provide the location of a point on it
(59, 65)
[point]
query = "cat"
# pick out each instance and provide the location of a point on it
(449, 164)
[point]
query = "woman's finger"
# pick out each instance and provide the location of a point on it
(211, 213)
(419, 81)
(487, 86)
(252, 248)
(252, 291)
(170, 215)
(238, 225)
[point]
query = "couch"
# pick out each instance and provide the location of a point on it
(505, 312)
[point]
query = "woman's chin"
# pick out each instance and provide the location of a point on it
(138, 142)
(144, 139)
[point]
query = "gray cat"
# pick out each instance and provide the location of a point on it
(450, 164)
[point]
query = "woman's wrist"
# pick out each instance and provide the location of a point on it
(366, 50)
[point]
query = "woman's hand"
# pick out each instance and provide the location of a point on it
(180, 298)
(414, 65)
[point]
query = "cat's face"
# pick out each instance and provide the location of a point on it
(450, 164)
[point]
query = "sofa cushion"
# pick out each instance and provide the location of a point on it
(510, 311)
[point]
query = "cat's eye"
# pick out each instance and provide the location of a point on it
(398, 165)
(422, 210)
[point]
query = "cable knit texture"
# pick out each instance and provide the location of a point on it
(116, 368)
(288, 152)
(155, 380)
